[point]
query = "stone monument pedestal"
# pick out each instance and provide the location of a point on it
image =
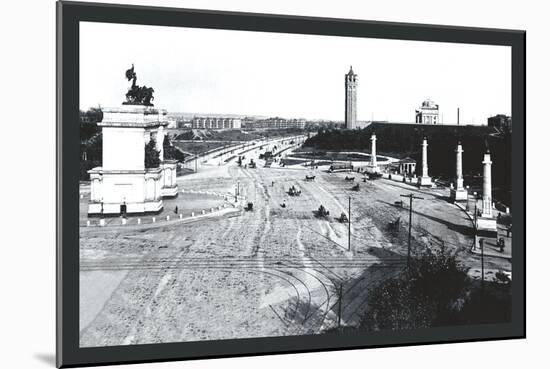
(487, 226)
(425, 181)
(123, 185)
(459, 194)
(372, 168)
(131, 191)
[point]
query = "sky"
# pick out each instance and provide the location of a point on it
(291, 75)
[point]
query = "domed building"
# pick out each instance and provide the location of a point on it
(427, 113)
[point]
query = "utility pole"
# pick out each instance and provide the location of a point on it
(482, 265)
(475, 215)
(411, 197)
(340, 306)
(481, 241)
(349, 224)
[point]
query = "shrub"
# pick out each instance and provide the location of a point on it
(152, 155)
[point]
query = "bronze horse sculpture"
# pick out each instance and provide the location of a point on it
(138, 95)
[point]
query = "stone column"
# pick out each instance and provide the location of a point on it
(425, 179)
(425, 158)
(459, 193)
(373, 161)
(459, 179)
(486, 208)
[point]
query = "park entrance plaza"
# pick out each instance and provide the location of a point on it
(232, 250)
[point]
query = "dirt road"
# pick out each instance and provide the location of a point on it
(268, 272)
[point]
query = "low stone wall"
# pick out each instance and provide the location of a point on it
(173, 218)
(400, 178)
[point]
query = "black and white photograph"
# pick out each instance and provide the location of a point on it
(274, 184)
(237, 184)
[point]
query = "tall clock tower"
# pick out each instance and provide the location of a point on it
(351, 99)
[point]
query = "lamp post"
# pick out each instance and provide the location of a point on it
(482, 263)
(349, 224)
(475, 213)
(411, 197)
(467, 198)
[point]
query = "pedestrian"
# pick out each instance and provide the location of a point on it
(508, 230)
(501, 244)
(176, 210)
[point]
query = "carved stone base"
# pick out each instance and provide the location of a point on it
(169, 191)
(153, 206)
(372, 169)
(486, 224)
(459, 195)
(425, 181)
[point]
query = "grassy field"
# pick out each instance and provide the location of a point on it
(199, 147)
(231, 135)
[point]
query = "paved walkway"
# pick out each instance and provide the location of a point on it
(491, 247)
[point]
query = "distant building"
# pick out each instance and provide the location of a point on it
(172, 123)
(275, 123)
(427, 113)
(407, 166)
(212, 122)
(85, 117)
(184, 123)
(500, 121)
(93, 115)
(351, 99)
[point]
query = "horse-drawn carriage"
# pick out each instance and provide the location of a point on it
(356, 187)
(322, 212)
(249, 206)
(373, 176)
(310, 178)
(293, 191)
(349, 179)
(343, 218)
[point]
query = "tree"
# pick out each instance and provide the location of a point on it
(169, 150)
(90, 141)
(428, 294)
(88, 123)
(152, 155)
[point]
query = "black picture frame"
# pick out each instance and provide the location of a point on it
(69, 14)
